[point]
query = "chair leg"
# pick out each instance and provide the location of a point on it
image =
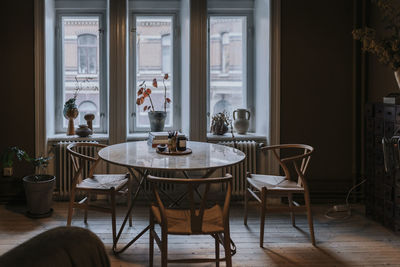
(71, 206)
(130, 198)
(263, 208)
(113, 220)
(309, 217)
(151, 240)
(290, 200)
(216, 250)
(86, 207)
(164, 248)
(246, 199)
(227, 248)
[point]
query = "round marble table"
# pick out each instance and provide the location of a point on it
(144, 159)
(205, 156)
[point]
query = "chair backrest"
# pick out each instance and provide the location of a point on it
(302, 155)
(196, 214)
(84, 153)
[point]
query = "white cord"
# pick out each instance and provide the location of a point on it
(343, 208)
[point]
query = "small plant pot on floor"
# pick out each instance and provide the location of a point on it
(39, 194)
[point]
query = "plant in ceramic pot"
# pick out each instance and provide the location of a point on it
(156, 118)
(38, 186)
(386, 45)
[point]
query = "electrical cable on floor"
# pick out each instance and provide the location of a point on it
(342, 208)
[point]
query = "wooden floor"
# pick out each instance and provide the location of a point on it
(353, 242)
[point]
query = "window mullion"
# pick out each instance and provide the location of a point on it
(198, 70)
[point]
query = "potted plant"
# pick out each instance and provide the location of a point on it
(38, 187)
(7, 161)
(156, 118)
(386, 46)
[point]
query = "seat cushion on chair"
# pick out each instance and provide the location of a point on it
(179, 221)
(104, 181)
(272, 183)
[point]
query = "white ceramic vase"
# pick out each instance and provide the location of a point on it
(241, 123)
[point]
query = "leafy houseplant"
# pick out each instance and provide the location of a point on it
(7, 161)
(156, 118)
(39, 186)
(387, 46)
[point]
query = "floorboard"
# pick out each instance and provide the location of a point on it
(356, 241)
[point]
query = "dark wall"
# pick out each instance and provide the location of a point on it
(317, 102)
(380, 78)
(17, 78)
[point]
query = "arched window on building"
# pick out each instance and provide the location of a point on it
(225, 52)
(166, 53)
(87, 54)
(86, 107)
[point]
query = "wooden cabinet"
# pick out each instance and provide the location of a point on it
(382, 190)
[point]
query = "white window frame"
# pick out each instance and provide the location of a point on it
(248, 61)
(102, 69)
(176, 59)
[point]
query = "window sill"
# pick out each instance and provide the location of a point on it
(63, 137)
(238, 137)
(137, 136)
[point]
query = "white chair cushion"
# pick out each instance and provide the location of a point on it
(104, 181)
(272, 182)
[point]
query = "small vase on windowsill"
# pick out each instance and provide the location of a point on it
(71, 115)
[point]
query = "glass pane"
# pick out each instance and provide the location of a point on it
(92, 58)
(166, 53)
(154, 58)
(227, 58)
(80, 44)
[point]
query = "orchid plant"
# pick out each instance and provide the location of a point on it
(145, 92)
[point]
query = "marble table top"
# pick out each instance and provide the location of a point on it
(141, 155)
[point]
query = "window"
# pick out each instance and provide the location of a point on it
(228, 63)
(153, 56)
(81, 64)
(87, 54)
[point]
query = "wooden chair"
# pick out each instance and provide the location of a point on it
(97, 184)
(261, 186)
(212, 221)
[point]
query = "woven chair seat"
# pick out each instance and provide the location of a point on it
(179, 221)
